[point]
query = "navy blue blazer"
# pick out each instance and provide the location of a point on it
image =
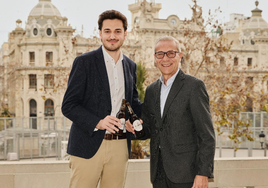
(87, 100)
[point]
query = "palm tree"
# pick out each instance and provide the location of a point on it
(140, 148)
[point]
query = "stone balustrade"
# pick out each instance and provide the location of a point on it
(229, 173)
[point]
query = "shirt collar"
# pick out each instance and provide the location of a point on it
(170, 80)
(108, 58)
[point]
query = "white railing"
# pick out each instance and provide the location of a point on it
(46, 137)
(29, 138)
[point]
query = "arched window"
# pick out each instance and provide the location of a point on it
(33, 110)
(35, 31)
(49, 107)
(236, 61)
(49, 31)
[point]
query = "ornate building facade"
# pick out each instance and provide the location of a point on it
(250, 47)
(36, 60)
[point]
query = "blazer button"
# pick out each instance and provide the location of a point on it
(161, 129)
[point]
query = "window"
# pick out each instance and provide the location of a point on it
(49, 80)
(49, 31)
(236, 61)
(49, 56)
(32, 81)
(78, 53)
(222, 62)
(249, 105)
(49, 108)
(207, 59)
(222, 101)
(249, 62)
(35, 31)
(33, 109)
(32, 56)
(235, 79)
(249, 82)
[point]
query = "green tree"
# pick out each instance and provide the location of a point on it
(5, 113)
(141, 77)
(140, 148)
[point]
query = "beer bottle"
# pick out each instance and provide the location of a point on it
(134, 120)
(121, 115)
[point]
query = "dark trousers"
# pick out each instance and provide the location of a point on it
(162, 180)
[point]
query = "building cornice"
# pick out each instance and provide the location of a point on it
(41, 68)
(248, 51)
(38, 43)
(253, 71)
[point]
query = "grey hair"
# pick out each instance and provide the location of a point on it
(168, 38)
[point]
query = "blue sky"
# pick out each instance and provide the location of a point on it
(81, 12)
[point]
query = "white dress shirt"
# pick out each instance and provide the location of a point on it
(165, 90)
(116, 81)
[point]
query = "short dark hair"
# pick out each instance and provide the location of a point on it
(112, 14)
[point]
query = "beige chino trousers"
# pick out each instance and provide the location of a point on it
(107, 167)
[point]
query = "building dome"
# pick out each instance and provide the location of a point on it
(256, 21)
(45, 8)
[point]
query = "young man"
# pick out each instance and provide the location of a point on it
(98, 82)
(176, 116)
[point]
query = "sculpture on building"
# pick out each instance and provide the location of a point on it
(146, 7)
(242, 38)
(146, 10)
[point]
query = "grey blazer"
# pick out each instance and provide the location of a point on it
(184, 133)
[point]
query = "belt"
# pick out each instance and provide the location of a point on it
(115, 137)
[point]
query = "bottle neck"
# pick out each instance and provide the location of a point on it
(131, 112)
(122, 109)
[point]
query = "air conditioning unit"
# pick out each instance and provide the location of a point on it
(12, 156)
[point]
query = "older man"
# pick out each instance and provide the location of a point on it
(176, 116)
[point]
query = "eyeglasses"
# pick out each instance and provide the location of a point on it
(161, 55)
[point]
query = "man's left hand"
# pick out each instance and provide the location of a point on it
(200, 182)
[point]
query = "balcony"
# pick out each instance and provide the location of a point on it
(229, 173)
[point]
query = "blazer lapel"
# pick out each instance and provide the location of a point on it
(127, 78)
(175, 88)
(157, 101)
(103, 72)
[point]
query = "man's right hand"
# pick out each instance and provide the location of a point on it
(108, 123)
(130, 127)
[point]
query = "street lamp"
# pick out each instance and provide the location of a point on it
(262, 141)
(262, 138)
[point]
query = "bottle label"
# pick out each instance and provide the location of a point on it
(137, 125)
(122, 122)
